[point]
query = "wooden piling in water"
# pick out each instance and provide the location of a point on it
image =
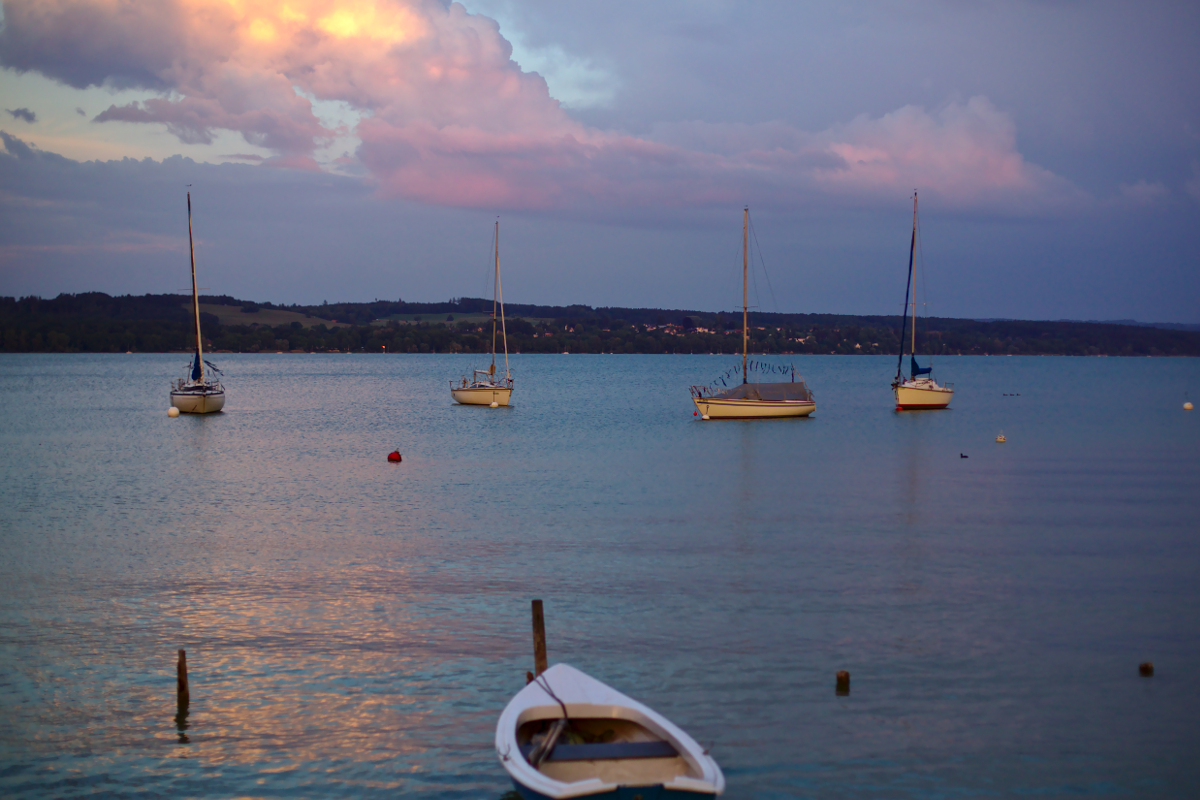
(539, 639)
(181, 681)
(843, 682)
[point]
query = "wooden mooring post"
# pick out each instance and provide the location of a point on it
(181, 680)
(181, 692)
(183, 697)
(539, 639)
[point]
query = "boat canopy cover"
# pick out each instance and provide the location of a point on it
(917, 370)
(767, 391)
(196, 373)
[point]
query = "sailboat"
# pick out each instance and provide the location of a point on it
(484, 387)
(199, 392)
(753, 400)
(919, 390)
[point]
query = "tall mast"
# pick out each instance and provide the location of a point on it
(908, 284)
(745, 286)
(913, 275)
(500, 294)
(495, 291)
(195, 292)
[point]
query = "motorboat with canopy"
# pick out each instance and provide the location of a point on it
(568, 735)
(918, 390)
(753, 400)
(484, 387)
(199, 391)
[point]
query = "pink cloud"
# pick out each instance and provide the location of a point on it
(122, 242)
(449, 118)
(965, 155)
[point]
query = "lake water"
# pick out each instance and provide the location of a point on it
(354, 628)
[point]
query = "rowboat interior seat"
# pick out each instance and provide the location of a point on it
(613, 750)
(603, 751)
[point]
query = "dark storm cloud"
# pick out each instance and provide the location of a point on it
(22, 113)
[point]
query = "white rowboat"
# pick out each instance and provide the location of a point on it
(612, 746)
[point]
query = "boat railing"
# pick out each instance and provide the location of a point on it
(184, 384)
(466, 383)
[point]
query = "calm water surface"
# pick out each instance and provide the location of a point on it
(354, 628)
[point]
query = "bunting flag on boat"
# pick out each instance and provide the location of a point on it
(723, 380)
(917, 370)
(213, 367)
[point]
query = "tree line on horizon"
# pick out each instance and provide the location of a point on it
(97, 322)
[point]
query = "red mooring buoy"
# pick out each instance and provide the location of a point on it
(394, 457)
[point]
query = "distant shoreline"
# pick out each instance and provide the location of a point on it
(96, 322)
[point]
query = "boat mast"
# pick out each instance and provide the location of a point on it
(495, 289)
(913, 275)
(745, 289)
(195, 293)
(908, 284)
(500, 293)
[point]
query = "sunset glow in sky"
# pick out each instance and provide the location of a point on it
(352, 149)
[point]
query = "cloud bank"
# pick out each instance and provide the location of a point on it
(448, 118)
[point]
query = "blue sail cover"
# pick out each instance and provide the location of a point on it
(196, 373)
(917, 370)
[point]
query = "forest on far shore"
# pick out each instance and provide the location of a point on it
(98, 323)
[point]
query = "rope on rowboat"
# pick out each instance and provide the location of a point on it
(546, 746)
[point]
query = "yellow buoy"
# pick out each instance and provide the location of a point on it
(172, 412)
(1187, 406)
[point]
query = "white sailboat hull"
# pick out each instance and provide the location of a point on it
(922, 394)
(614, 767)
(198, 402)
(753, 409)
(481, 395)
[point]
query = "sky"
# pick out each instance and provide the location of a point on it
(348, 150)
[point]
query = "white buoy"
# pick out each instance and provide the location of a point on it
(704, 417)
(494, 404)
(1187, 406)
(172, 412)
